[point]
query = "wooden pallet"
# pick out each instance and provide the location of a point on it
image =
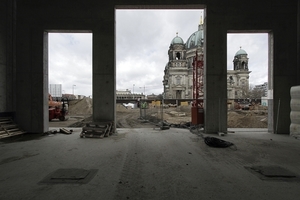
(9, 128)
(97, 130)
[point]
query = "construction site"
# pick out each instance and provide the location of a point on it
(207, 148)
(80, 112)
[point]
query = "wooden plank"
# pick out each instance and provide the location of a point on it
(10, 135)
(93, 129)
(96, 130)
(12, 130)
(10, 126)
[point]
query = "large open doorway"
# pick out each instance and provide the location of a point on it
(247, 80)
(143, 39)
(70, 77)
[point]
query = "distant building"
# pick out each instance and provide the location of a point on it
(238, 78)
(264, 88)
(126, 94)
(69, 96)
(152, 97)
(56, 91)
(178, 73)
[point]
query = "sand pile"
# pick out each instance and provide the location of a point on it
(81, 107)
(247, 119)
(121, 107)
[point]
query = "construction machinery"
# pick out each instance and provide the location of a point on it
(58, 110)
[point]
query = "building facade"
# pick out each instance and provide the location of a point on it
(178, 73)
(263, 87)
(238, 78)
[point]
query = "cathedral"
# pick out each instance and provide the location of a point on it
(178, 73)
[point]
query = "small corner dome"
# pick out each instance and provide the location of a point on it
(241, 52)
(177, 40)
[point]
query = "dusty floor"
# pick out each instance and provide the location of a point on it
(147, 163)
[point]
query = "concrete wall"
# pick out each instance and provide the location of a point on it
(34, 17)
(7, 56)
(298, 44)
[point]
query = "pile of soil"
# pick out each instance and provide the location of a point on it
(81, 106)
(247, 119)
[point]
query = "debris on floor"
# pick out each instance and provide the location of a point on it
(61, 130)
(97, 130)
(274, 173)
(9, 128)
(216, 142)
(65, 131)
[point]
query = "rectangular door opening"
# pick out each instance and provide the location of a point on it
(70, 78)
(247, 80)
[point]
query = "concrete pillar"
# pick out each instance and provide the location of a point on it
(104, 71)
(215, 78)
(298, 44)
(32, 80)
(284, 75)
(7, 56)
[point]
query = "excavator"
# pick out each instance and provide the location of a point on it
(57, 110)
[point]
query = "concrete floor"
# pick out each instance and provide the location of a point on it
(149, 163)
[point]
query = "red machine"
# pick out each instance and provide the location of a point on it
(57, 110)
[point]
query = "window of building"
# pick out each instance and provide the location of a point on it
(178, 80)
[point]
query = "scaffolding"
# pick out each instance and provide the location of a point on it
(198, 93)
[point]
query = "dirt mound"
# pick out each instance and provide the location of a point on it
(247, 119)
(81, 107)
(121, 107)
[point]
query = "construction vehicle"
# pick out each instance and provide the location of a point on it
(58, 110)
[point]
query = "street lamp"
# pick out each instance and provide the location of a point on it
(73, 88)
(133, 91)
(144, 90)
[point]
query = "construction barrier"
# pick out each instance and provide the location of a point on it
(184, 103)
(155, 103)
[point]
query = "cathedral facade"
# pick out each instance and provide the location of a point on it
(238, 78)
(178, 73)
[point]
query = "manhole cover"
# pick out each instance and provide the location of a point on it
(273, 173)
(70, 176)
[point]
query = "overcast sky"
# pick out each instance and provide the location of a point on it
(143, 38)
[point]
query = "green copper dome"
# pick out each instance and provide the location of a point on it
(177, 40)
(196, 39)
(241, 52)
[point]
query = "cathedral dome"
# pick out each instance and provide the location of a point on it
(177, 40)
(196, 39)
(241, 52)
